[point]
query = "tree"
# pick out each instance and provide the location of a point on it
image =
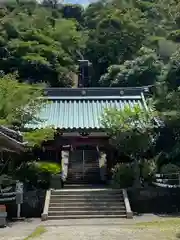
(36, 137)
(40, 47)
(115, 35)
(132, 131)
(167, 102)
(19, 102)
(143, 70)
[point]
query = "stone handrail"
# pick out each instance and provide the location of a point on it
(129, 213)
(44, 215)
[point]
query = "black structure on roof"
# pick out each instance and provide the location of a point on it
(76, 92)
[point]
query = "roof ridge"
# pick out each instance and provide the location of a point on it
(91, 98)
(77, 92)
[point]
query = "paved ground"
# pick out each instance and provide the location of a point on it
(19, 230)
(90, 229)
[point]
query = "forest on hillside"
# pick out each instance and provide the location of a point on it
(128, 42)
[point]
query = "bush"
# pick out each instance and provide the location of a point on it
(148, 170)
(123, 175)
(37, 174)
(52, 168)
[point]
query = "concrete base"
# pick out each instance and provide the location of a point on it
(3, 221)
(44, 217)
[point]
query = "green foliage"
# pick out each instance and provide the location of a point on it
(36, 45)
(167, 101)
(37, 174)
(123, 175)
(148, 169)
(132, 129)
(19, 102)
(43, 41)
(38, 136)
(114, 38)
(132, 132)
(144, 70)
(52, 168)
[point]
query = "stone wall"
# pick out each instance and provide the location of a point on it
(155, 200)
(32, 206)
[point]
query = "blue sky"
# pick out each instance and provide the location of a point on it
(83, 2)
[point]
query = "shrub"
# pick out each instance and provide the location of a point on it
(123, 175)
(148, 170)
(37, 174)
(52, 168)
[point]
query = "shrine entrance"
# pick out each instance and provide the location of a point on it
(83, 166)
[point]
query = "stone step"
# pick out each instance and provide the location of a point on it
(85, 208)
(87, 191)
(77, 197)
(86, 194)
(84, 181)
(86, 169)
(85, 212)
(82, 201)
(81, 186)
(87, 198)
(87, 204)
(85, 216)
(85, 201)
(91, 176)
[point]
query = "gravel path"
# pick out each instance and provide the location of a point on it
(97, 233)
(101, 229)
(84, 229)
(19, 230)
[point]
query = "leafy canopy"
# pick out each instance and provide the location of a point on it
(19, 102)
(132, 130)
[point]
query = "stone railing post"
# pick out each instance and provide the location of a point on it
(65, 162)
(103, 165)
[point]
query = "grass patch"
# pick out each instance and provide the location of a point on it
(169, 228)
(170, 222)
(37, 233)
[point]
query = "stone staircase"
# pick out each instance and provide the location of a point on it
(85, 203)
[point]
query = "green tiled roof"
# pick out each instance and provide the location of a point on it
(82, 111)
